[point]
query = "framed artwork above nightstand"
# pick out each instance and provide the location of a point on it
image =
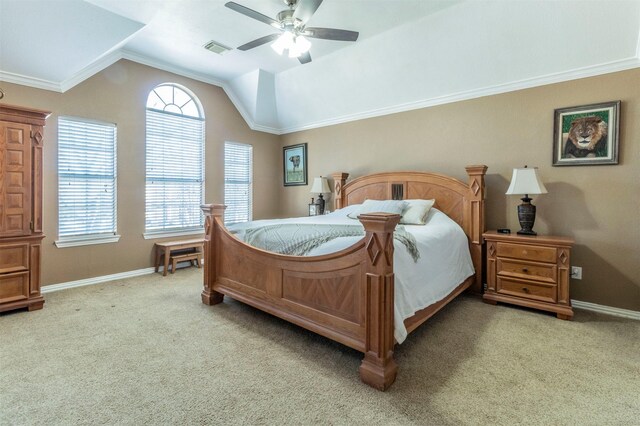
(531, 271)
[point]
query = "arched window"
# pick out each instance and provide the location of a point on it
(175, 162)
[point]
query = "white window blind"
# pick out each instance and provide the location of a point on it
(175, 172)
(238, 182)
(86, 179)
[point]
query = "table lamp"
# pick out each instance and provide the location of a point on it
(320, 186)
(526, 181)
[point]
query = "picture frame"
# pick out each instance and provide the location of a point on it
(294, 163)
(313, 209)
(574, 143)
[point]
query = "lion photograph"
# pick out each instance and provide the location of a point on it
(587, 138)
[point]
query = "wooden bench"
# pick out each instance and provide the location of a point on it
(191, 257)
(177, 251)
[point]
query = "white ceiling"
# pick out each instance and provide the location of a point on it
(410, 53)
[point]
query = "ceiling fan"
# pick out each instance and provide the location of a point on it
(293, 30)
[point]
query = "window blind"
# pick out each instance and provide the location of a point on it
(238, 182)
(86, 178)
(174, 172)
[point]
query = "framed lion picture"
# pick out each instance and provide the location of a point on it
(294, 158)
(585, 135)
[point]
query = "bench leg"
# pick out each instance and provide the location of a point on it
(173, 265)
(157, 259)
(167, 255)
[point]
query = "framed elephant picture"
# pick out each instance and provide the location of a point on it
(294, 160)
(586, 135)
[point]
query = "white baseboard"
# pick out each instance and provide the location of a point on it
(609, 310)
(103, 279)
(97, 280)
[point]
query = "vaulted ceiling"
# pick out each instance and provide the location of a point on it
(410, 53)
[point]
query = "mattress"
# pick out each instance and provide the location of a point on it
(444, 261)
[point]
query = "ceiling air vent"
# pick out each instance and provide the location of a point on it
(216, 47)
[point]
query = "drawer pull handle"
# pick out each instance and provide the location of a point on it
(525, 270)
(525, 289)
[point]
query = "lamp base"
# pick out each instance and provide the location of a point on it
(320, 204)
(526, 216)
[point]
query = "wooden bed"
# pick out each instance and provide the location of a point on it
(347, 296)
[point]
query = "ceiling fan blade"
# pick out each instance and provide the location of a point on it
(252, 14)
(305, 9)
(331, 34)
(258, 42)
(305, 58)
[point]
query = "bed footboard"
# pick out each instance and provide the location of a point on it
(346, 296)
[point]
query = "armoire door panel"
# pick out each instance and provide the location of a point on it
(15, 179)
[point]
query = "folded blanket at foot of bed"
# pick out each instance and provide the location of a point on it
(298, 239)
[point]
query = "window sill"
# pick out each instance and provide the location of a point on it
(166, 234)
(86, 241)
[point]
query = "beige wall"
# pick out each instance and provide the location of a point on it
(118, 95)
(596, 205)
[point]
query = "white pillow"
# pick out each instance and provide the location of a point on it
(416, 212)
(346, 211)
(380, 206)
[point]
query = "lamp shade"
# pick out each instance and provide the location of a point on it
(526, 181)
(320, 185)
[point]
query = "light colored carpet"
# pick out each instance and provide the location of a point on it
(146, 351)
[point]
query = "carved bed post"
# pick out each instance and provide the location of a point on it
(476, 221)
(378, 368)
(211, 212)
(339, 179)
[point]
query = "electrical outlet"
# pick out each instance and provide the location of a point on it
(576, 272)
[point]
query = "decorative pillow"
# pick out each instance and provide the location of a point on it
(380, 206)
(346, 211)
(416, 212)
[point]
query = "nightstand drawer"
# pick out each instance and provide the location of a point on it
(527, 289)
(527, 252)
(528, 270)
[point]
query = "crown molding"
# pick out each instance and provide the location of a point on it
(590, 71)
(116, 55)
(164, 66)
(245, 114)
(36, 83)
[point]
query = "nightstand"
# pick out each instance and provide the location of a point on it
(531, 271)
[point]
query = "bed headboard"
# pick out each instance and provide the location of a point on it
(462, 202)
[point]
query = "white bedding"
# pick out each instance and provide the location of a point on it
(444, 259)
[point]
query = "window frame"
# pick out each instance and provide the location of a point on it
(163, 233)
(251, 187)
(95, 238)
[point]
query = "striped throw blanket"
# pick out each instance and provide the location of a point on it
(299, 239)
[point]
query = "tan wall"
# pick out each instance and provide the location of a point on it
(118, 95)
(596, 205)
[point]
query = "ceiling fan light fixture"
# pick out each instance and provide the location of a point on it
(299, 46)
(302, 44)
(285, 41)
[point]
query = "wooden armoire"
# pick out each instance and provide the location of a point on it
(21, 138)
